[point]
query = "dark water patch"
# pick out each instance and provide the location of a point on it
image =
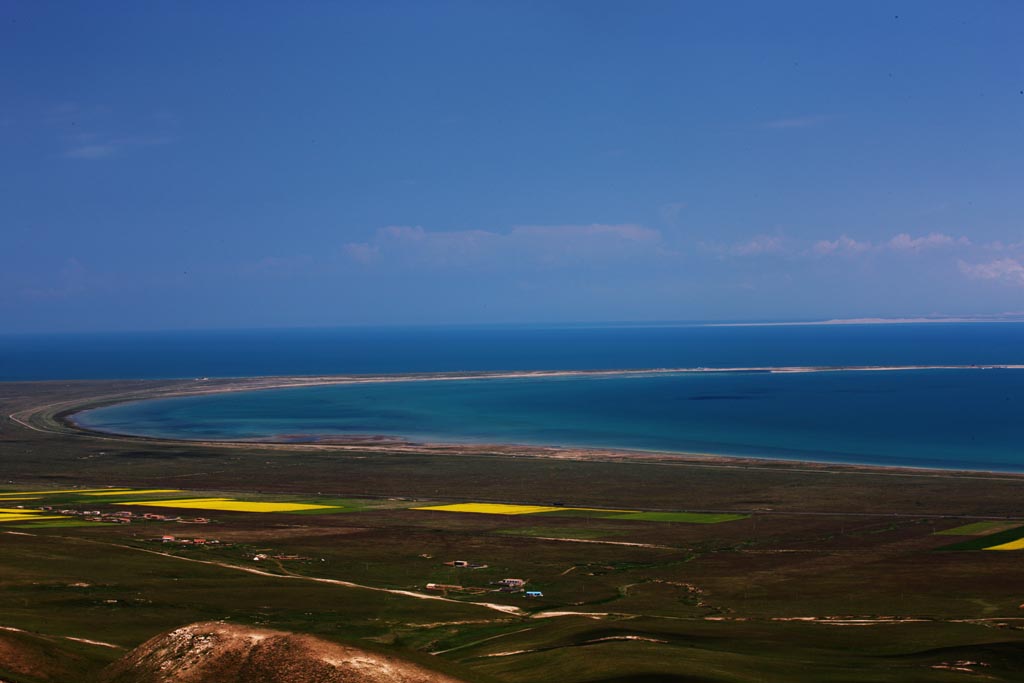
(721, 397)
(864, 391)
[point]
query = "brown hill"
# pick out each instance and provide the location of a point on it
(211, 652)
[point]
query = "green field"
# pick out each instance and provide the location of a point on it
(788, 573)
(646, 516)
(974, 529)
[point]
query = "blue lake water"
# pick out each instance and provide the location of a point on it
(961, 419)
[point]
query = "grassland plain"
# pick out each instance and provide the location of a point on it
(810, 573)
(977, 529)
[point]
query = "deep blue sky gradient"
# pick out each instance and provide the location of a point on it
(196, 165)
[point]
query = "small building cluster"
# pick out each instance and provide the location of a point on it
(264, 556)
(122, 516)
(443, 587)
(119, 517)
(504, 586)
(517, 586)
(167, 538)
(465, 564)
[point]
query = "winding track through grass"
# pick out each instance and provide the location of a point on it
(497, 607)
(48, 636)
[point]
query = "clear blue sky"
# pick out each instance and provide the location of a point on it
(194, 165)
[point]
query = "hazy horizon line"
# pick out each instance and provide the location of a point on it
(903, 320)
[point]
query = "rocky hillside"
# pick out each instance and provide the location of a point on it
(214, 651)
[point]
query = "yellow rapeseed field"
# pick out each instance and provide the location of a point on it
(505, 509)
(228, 504)
(491, 508)
(1012, 545)
(30, 517)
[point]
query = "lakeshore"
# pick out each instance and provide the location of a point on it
(715, 401)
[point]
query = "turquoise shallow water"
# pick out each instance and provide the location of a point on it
(960, 419)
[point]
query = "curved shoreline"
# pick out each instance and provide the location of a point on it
(59, 418)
